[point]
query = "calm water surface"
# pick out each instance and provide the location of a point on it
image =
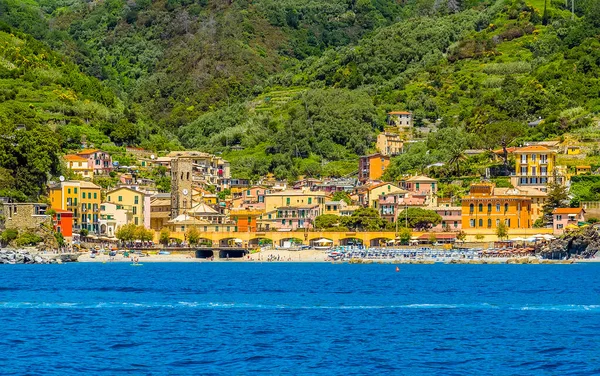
(235, 318)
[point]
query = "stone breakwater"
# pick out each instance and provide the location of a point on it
(23, 256)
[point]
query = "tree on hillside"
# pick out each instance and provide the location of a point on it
(342, 196)
(126, 233)
(502, 134)
(558, 197)
(143, 234)
(364, 219)
(404, 235)
(164, 236)
(502, 230)
(326, 221)
(421, 219)
(192, 235)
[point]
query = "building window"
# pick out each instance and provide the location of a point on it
(472, 222)
(471, 208)
(287, 201)
(505, 207)
(498, 208)
(135, 211)
(74, 190)
(480, 208)
(120, 198)
(69, 190)
(95, 195)
(559, 217)
(480, 222)
(136, 200)
(489, 208)
(136, 221)
(489, 223)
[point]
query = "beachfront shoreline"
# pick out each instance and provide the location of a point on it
(315, 256)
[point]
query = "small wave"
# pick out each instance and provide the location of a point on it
(562, 308)
(253, 306)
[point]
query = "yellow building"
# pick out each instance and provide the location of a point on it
(486, 206)
(573, 150)
(294, 197)
(137, 204)
(79, 165)
(535, 166)
(582, 170)
(335, 207)
(389, 143)
(83, 199)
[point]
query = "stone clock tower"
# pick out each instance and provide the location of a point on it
(181, 185)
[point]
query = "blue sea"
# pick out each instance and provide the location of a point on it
(267, 318)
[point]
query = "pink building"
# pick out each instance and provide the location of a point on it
(392, 204)
(252, 198)
(420, 185)
(564, 217)
(99, 160)
(451, 218)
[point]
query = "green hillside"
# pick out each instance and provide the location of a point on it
(46, 104)
(302, 86)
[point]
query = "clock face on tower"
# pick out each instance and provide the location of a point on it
(185, 192)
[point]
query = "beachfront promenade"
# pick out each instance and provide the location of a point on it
(313, 238)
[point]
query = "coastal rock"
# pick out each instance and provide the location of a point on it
(584, 243)
(23, 256)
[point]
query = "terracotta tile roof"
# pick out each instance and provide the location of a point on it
(74, 158)
(533, 148)
(421, 178)
(88, 151)
(509, 150)
(567, 211)
(399, 113)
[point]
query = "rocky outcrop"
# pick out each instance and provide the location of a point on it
(584, 243)
(23, 256)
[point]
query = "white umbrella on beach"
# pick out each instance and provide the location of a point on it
(549, 237)
(518, 240)
(323, 240)
(531, 240)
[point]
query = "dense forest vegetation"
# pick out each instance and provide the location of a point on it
(293, 86)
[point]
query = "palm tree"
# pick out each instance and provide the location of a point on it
(456, 157)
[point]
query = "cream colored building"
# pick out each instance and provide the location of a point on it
(111, 218)
(79, 165)
(291, 198)
(137, 204)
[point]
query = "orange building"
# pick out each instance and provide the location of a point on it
(486, 206)
(245, 220)
(371, 167)
(63, 222)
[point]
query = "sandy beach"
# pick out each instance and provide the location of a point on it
(271, 255)
(321, 256)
